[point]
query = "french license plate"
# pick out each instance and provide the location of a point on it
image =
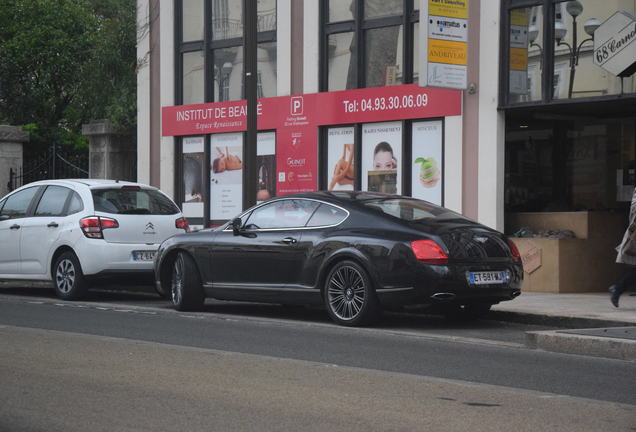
(487, 278)
(143, 255)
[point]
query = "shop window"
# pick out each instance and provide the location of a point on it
(382, 8)
(342, 62)
(212, 63)
(381, 157)
(341, 164)
(559, 37)
(266, 56)
(226, 172)
(367, 43)
(226, 19)
(194, 175)
(574, 44)
(556, 164)
(383, 47)
(193, 78)
(192, 20)
(525, 54)
(341, 10)
(228, 73)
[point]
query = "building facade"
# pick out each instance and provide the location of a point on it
(542, 136)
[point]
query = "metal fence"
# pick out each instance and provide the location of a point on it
(54, 164)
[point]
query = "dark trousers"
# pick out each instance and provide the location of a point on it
(627, 281)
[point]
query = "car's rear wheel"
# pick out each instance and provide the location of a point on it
(349, 295)
(467, 312)
(186, 291)
(68, 279)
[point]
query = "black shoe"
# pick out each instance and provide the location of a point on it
(615, 295)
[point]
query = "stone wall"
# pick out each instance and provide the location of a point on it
(111, 155)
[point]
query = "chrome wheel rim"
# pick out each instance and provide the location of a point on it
(177, 280)
(65, 276)
(346, 293)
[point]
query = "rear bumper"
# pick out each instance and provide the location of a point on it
(98, 257)
(445, 284)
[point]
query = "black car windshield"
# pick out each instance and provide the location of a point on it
(133, 201)
(411, 209)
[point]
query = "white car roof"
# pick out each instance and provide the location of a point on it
(91, 183)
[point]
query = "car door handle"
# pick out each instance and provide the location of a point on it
(289, 240)
(14, 227)
(53, 225)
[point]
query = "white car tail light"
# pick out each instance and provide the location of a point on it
(93, 226)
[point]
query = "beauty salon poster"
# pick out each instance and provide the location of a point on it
(340, 159)
(426, 177)
(382, 157)
(226, 175)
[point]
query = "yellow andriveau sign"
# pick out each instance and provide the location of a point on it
(448, 52)
(448, 8)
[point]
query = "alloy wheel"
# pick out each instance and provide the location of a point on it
(177, 280)
(65, 276)
(346, 293)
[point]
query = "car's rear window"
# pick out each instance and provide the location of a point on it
(133, 201)
(411, 209)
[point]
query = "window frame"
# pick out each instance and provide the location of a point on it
(359, 26)
(207, 46)
(547, 73)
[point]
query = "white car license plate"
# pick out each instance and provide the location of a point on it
(143, 255)
(487, 278)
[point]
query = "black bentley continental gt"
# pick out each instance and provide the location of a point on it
(353, 252)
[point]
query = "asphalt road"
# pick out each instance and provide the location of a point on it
(129, 362)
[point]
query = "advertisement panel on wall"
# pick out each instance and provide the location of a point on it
(266, 162)
(340, 159)
(193, 176)
(226, 176)
(382, 157)
(444, 43)
(427, 160)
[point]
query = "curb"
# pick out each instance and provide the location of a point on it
(560, 321)
(552, 340)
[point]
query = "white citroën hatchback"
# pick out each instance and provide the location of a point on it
(70, 231)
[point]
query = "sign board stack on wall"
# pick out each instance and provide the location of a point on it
(444, 42)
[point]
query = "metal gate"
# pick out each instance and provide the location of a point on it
(54, 164)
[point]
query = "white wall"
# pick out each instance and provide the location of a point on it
(143, 92)
(453, 167)
(491, 122)
(283, 46)
(167, 162)
(311, 46)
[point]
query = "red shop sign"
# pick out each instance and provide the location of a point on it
(296, 119)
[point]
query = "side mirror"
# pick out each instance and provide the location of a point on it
(237, 225)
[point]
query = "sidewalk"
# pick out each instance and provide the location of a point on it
(616, 337)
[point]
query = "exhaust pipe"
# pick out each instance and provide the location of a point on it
(443, 296)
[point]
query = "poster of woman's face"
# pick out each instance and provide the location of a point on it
(381, 157)
(193, 175)
(340, 159)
